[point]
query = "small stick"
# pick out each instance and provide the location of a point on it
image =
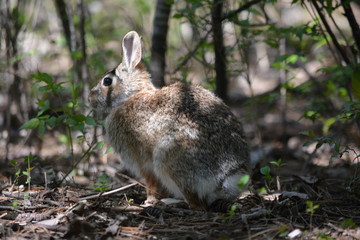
(109, 192)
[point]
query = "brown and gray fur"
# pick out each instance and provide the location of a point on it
(183, 140)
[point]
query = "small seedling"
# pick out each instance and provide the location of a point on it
(278, 164)
(261, 191)
(15, 204)
(27, 173)
(103, 183)
(266, 172)
(321, 235)
(244, 180)
(311, 209)
(17, 169)
(283, 231)
(348, 223)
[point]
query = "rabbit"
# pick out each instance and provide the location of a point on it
(182, 140)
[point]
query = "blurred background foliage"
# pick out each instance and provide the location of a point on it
(289, 70)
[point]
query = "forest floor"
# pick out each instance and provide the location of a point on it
(305, 199)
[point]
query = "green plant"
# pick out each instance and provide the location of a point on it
(17, 169)
(278, 164)
(348, 223)
(243, 182)
(283, 231)
(102, 183)
(310, 208)
(261, 191)
(15, 204)
(265, 171)
(28, 160)
(321, 235)
(63, 113)
(231, 212)
(27, 172)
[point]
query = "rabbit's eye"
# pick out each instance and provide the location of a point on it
(107, 81)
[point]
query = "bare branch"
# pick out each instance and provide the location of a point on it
(220, 58)
(349, 14)
(240, 9)
(331, 33)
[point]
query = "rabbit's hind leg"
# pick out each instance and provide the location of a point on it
(194, 201)
(154, 189)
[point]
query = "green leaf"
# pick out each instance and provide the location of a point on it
(355, 84)
(327, 124)
(292, 58)
(277, 163)
(177, 15)
(309, 133)
(80, 127)
(31, 124)
(265, 171)
(13, 162)
(110, 149)
(90, 121)
(80, 138)
(41, 129)
(79, 118)
(99, 145)
(42, 77)
(64, 139)
(51, 122)
(261, 191)
(243, 181)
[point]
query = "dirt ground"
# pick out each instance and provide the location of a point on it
(75, 211)
(309, 197)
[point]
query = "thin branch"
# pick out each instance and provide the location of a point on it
(77, 162)
(240, 9)
(315, 18)
(332, 35)
(109, 192)
(352, 21)
(191, 54)
(340, 31)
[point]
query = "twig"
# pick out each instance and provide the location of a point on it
(74, 165)
(109, 192)
(259, 213)
(10, 208)
(315, 18)
(240, 9)
(352, 21)
(331, 33)
(190, 54)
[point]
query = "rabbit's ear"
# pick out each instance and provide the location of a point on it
(131, 50)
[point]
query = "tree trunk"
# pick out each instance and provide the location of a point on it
(159, 44)
(64, 17)
(221, 80)
(75, 38)
(10, 27)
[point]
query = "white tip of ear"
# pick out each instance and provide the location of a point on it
(131, 50)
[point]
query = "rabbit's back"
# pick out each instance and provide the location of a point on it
(193, 116)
